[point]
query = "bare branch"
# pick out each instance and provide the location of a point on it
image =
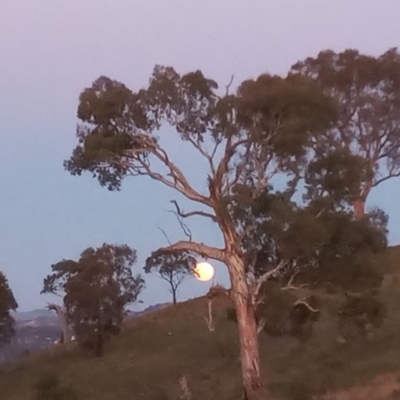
(264, 278)
(192, 213)
(387, 177)
(304, 303)
(292, 287)
(261, 325)
(209, 318)
(229, 85)
(209, 157)
(199, 248)
(140, 166)
(165, 235)
(290, 283)
(186, 230)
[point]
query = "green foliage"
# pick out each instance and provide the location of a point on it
(173, 267)
(7, 304)
(362, 312)
(280, 313)
(320, 246)
(96, 290)
(273, 120)
(366, 91)
(49, 387)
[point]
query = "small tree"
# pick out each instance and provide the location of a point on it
(96, 290)
(7, 304)
(367, 93)
(173, 267)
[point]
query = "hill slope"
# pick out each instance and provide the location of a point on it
(148, 360)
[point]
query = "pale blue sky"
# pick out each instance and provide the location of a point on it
(50, 50)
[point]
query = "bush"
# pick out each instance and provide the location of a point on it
(293, 390)
(48, 387)
(281, 315)
(359, 313)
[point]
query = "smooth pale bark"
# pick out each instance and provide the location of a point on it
(246, 318)
(66, 333)
(359, 209)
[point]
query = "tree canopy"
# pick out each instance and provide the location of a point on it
(173, 267)
(366, 91)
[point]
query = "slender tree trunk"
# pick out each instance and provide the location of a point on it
(173, 291)
(249, 350)
(99, 342)
(66, 333)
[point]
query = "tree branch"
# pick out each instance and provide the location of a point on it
(199, 248)
(165, 235)
(140, 166)
(290, 285)
(227, 87)
(186, 230)
(385, 178)
(304, 303)
(264, 278)
(192, 213)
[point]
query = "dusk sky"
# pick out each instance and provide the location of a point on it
(50, 50)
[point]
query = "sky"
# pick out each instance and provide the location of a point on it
(50, 50)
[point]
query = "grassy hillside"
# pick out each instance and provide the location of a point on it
(150, 358)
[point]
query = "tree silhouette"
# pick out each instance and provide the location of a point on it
(172, 266)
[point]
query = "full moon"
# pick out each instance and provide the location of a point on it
(204, 271)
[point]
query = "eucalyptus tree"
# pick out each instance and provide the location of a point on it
(366, 91)
(246, 139)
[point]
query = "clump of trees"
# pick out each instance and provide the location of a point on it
(291, 161)
(96, 289)
(7, 304)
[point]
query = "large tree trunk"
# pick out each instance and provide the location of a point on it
(359, 208)
(359, 203)
(99, 339)
(249, 350)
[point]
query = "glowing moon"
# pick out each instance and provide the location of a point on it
(204, 271)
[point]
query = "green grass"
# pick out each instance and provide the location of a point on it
(155, 351)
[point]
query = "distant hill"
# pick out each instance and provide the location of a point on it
(31, 315)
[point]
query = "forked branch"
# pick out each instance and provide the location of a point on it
(263, 279)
